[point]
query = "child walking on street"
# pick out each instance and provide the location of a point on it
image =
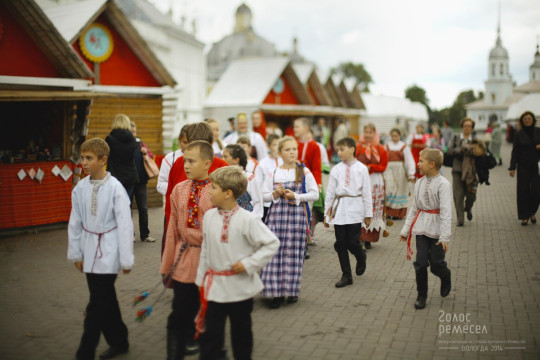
(289, 188)
(430, 220)
(236, 246)
(348, 204)
(100, 233)
(190, 200)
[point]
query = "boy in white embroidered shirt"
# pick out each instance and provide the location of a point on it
(236, 246)
(430, 219)
(100, 234)
(348, 203)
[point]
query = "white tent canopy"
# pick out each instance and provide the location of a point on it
(530, 102)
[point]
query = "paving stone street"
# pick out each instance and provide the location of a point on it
(493, 310)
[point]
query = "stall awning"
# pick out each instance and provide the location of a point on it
(307, 110)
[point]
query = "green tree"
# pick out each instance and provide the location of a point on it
(356, 71)
(457, 111)
(417, 94)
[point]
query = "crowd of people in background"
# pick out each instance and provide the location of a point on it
(279, 180)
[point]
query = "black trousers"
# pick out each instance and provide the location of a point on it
(212, 340)
(185, 306)
(141, 197)
(102, 316)
(347, 238)
(428, 254)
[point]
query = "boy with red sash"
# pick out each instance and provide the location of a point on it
(236, 246)
(430, 219)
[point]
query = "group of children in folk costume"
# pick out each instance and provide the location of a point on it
(289, 188)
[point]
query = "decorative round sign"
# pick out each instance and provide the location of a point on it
(279, 86)
(96, 43)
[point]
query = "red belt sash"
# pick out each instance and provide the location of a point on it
(203, 292)
(409, 251)
(98, 244)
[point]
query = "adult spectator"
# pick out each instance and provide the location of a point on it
(308, 150)
(243, 126)
(140, 191)
(121, 163)
(259, 123)
(447, 132)
(525, 156)
(464, 179)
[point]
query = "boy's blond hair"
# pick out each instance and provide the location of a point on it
(434, 155)
(206, 152)
(230, 178)
(121, 121)
(97, 146)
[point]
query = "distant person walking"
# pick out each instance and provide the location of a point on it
(464, 178)
(140, 191)
(525, 157)
(496, 142)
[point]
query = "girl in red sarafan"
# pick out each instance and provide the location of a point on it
(371, 153)
(417, 142)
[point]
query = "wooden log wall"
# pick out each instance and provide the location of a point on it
(146, 112)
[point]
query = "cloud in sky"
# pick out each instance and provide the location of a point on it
(442, 46)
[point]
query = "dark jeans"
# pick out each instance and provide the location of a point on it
(102, 316)
(129, 190)
(428, 254)
(141, 197)
(212, 340)
(185, 306)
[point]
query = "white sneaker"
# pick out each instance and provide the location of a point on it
(149, 239)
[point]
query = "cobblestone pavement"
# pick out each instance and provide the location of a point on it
(493, 310)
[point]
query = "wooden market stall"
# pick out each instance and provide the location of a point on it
(272, 86)
(50, 103)
(124, 66)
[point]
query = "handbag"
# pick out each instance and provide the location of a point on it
(150, 166)
(448, 160)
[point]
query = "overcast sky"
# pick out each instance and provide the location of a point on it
(440, 45)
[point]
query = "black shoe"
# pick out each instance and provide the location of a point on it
(524, 222)
(446, 284)
(459, 224)
(344, 281)
(420, 302)
(361, 263)
(469, 215)
(367, 244)
(292, 299)
(276, 302)
(307, 256)
(113, 351)
(533, 219)
(192, 347)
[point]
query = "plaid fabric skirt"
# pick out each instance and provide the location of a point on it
(283, 274)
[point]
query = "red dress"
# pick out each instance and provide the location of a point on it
(376, 169)
(421, 141)
(310, 154)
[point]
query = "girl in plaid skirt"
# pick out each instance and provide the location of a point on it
(289, 188)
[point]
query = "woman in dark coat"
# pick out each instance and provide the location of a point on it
(525, 156)
(121, 162)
